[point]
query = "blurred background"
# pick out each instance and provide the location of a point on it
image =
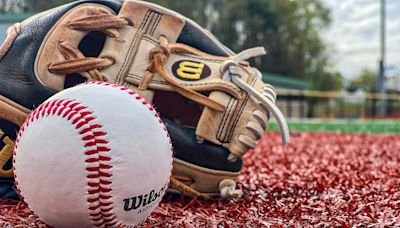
(335, 63)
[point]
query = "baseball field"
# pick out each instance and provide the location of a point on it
(334, 173)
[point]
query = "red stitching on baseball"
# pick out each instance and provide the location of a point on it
(100, 214)
(70, 109)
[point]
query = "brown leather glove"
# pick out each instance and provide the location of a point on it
(214, 104)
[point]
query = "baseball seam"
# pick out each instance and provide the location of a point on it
(98, 161)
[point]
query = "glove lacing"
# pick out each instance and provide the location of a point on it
(232, 70)
(101, 20)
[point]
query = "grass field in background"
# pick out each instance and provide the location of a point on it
(354, 126)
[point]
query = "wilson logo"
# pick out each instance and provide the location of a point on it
(190, 70)
(142, 201)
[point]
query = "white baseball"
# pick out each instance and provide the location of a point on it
(93, 155)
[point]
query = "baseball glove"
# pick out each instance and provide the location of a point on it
(213, 102)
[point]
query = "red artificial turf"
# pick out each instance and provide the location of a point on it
(320, 179)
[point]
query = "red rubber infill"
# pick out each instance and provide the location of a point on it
(320, 179)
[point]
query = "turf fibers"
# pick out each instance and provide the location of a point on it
(320, 179)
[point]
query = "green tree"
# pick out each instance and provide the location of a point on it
(13, 6)
(366, 80)
(331, 81)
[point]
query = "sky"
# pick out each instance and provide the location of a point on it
(354, 35)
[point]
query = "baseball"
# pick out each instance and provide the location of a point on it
(94, 155)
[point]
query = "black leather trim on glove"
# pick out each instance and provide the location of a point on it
(206, 154)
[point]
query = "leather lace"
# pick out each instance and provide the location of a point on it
(90, 67)
(100, 20)
(76, 62)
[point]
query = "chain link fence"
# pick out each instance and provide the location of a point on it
(319, 104)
